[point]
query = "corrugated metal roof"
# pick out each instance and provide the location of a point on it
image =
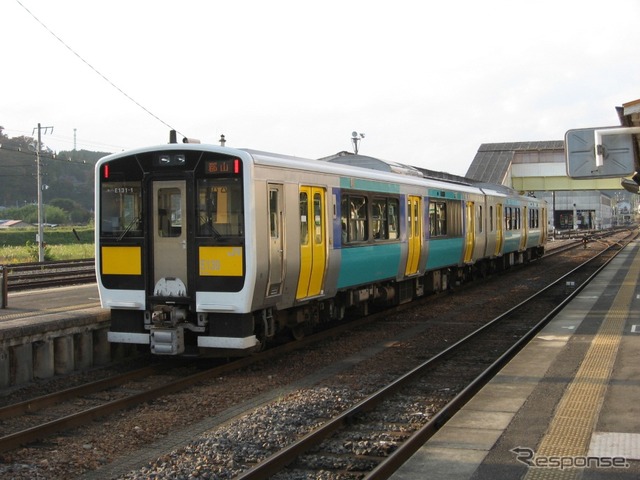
(493, 160)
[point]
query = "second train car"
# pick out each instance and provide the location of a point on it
(209, 250)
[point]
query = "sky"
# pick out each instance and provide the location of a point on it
(426, 83)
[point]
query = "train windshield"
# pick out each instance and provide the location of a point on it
(220, 208)
(121, 204)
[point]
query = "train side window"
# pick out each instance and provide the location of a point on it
(392, 217)
(317, 218)
(533, 218)
(379, 220)
(491, 218)
(274, 226)
(453, 216)
(169, 212)
(480, 226)
(304, 220)
(355, 222)
(437, 219)
(384, 218)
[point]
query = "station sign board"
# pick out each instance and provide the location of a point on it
(603, 152)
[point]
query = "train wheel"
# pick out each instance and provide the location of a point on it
(298, 332)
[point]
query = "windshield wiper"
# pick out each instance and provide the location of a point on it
(129, 227)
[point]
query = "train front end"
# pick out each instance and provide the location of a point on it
(172, 239)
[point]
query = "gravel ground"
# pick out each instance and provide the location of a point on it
(218, 429)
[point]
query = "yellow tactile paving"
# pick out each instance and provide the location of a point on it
(570, 431)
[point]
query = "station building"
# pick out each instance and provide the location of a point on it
(540, 169)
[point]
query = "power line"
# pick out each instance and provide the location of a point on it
(96, 70)
(48, 156)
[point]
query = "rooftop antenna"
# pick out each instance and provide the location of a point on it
(355, 138)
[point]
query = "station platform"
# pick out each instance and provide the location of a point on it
(51, 332)
(567, 406)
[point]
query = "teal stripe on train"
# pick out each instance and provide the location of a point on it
(368, 263)
(444, 252)
(511, 242)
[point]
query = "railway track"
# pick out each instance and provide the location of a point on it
(357, 442)
(47, 422)
(392, 441)
(25, 276)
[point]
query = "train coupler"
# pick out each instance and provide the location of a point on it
(167, 341)
(167, 315)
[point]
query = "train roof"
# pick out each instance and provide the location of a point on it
(363, 170)
(347, 165)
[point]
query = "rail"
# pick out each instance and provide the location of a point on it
(278, 461)
(23, 276)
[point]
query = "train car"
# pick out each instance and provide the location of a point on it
(209, 250)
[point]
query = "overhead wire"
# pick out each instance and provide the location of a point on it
(96, 70)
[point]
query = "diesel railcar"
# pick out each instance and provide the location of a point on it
(209, 250)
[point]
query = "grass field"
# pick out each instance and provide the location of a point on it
(63, 243)
(13, 254)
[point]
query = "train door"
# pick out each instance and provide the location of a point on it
(276, 250)
(499, 229)
(414, 234)
(169, 238)
(470, 232)
(313, 232)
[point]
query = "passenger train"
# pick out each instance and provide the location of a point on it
(210, 250)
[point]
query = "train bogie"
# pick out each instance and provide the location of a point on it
(206, 249)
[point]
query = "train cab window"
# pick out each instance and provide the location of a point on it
(121, 209)
(169, 212)
(219, 207)
(355, 227)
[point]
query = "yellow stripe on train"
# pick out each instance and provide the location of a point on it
(121, 261)
(220, 261)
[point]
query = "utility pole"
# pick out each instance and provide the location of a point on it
(40, 238)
